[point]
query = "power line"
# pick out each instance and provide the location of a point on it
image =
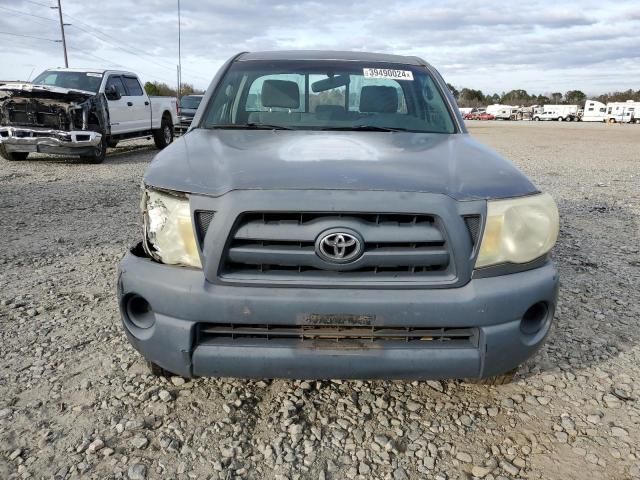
(28, 14)
(30, 36)
(38, 3)
(95, 32)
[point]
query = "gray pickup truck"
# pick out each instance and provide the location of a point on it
(327, 215)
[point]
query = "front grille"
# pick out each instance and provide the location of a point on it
(203, 220)
(276, 246)
(473, 226)
(338, 333)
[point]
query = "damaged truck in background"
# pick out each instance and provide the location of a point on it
(81, 112)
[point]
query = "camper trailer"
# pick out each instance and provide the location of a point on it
(496, 108)
(623, 112)
(557, 112)
(594, 111)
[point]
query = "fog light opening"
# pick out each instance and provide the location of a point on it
(534, 318)
(139, 312)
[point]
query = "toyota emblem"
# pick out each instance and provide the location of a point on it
(339, 246)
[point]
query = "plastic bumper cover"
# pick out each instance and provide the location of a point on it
(180, 299)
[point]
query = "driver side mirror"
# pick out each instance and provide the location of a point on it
(112, 93)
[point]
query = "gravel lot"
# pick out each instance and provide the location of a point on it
(75, 401)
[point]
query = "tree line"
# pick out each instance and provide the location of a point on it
(163, 90)
(468, 97)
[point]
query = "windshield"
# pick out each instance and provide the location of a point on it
(328, 95)
(190, 102)
(87, 81)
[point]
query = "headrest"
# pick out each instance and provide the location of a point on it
(280, 94)
(377, 99)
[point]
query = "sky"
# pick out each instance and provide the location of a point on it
(541, 46)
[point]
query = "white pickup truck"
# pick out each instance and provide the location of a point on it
(81, 112)
(560, 113)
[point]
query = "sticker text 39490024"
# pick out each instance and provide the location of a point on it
(387, 73)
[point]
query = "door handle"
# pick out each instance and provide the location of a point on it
(130, 104)
(146, 103)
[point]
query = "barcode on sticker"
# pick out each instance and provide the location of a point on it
(387, 73)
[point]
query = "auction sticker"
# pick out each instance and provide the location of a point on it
(387, 73)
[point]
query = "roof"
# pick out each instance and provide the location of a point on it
(329, 55)
(89, 70)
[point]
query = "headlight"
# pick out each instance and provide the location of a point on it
(518, 230)
(168, 230)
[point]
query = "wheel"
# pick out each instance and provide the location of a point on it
(503, 379)
(99, 151)
(12, 156)
(560, 119)
(612, 120)
(536, 119)
(164, 135)
(157, 371)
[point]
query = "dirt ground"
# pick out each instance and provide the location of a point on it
(75, 401)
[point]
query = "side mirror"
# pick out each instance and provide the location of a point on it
(112, 93)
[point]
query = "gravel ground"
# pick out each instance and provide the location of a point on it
(75, 401)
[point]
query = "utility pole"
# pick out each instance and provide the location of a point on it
(64, 41)
(179, 52)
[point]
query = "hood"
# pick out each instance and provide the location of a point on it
(28, 90)
(214, 162)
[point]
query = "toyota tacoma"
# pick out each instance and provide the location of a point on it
(327, 215)
(81, 112)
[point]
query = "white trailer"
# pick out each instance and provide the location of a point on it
(623, 112)
(557, 112)
(497, 108)
(594, 111)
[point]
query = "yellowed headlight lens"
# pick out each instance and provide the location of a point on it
(169, 228)
(518, 230)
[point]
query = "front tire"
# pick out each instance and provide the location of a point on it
(13, 156)
(164, 135)
(560, 119)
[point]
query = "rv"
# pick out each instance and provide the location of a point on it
(623, 112)
(557, 112)
(594, 111)
(496, 108)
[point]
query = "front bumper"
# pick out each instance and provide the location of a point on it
(180, 299)
(42, 140)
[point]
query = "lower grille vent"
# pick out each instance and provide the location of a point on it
(337, 333)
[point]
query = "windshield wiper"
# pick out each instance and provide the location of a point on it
(252, 126)
(368, 128)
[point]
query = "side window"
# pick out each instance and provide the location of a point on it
(133, 86)
(358, 81)
(254, 98)
(116, 81)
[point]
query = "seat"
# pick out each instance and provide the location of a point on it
(280, 94)
(378, 99)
